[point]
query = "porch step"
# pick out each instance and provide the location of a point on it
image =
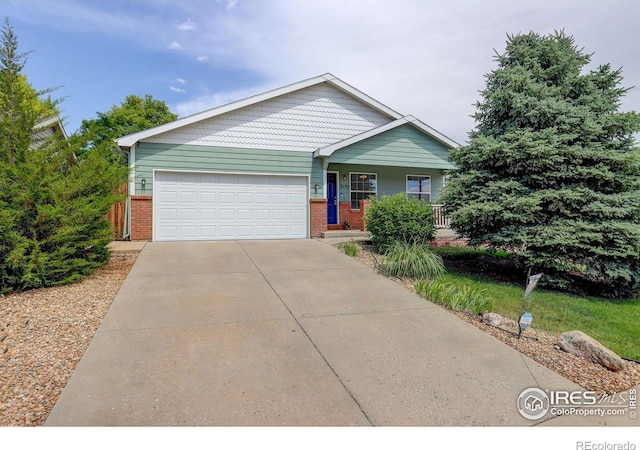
(353, 234)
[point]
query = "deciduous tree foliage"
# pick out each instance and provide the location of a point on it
(52, 202)
(550, 172)
(134, 114)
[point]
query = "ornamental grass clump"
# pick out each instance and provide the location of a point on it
(458, 298)
(403, 260)
(349, 248)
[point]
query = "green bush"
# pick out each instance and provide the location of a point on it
(412, 261)
(399, 218)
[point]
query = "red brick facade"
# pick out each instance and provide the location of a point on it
(317, 217)
(355, 217)
(141, 217)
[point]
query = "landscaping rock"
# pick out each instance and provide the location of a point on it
(492, 319)
(580, 344)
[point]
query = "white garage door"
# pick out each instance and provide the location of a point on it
(212, 206)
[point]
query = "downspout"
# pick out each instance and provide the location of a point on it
(126, 231)
(127, 222)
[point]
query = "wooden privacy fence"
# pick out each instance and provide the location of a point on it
(117, 214)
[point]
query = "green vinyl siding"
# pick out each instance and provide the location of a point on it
(400, 147)
(151, 156)
(390, 180)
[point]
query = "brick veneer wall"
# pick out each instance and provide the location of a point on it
(318, 216)
(141, 217)
(354, 216)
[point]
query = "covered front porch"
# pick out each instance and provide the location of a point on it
(347, 188)
(404, 156)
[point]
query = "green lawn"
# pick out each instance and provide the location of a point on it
(614, 323)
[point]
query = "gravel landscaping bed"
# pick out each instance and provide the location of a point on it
(541, 347)
(43, 335)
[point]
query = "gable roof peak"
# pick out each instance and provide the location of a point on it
(327, 78)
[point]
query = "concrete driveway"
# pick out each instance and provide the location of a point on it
(286, 333)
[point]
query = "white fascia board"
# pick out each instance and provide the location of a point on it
(329, 149)
(131, 139)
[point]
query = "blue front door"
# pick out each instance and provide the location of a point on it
(332, 199)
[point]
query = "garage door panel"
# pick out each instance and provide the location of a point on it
(167, 196)
(297, 199)
(226, 214)
(205, 206)
(207, 197)
(188, 197)
(188, 214)
(279, 198)
(262, 214)
(167, 214)
(244, 214)
(227, 197)
(207, 214)
(297, 214)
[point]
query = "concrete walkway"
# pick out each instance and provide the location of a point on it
(287, 333)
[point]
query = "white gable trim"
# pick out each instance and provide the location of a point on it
(330, 149)
(132, 139)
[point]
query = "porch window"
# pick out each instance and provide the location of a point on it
(419, 186)
(363, 186)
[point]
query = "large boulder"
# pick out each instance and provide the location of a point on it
(580, 344)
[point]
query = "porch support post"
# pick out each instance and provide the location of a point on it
(325, 166)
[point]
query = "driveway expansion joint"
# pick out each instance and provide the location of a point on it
(342, 382)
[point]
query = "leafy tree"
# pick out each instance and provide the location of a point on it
(550, 172)
(52, 202)
(133, 115)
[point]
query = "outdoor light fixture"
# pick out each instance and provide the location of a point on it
(344, 178)
(316, 187)
(143, 182)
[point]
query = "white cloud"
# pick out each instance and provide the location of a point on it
(175, 46)
(177, 90)
(187, 26)
(180, 81)
(202, 59)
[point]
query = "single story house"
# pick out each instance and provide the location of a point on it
(289, 163)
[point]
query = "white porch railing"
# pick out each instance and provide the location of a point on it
(441, 220)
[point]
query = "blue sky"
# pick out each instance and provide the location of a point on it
(427, 58)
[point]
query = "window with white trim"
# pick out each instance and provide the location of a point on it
(363, 186)
(419, 186)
